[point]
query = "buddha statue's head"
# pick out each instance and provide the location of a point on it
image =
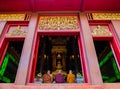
(59, 56)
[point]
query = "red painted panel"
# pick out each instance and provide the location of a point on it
(14, 5)
(59, 5)
(104, 5)
(59, 32)
(102, 38)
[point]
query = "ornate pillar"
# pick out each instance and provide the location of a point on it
(22, 72)
(91, 61)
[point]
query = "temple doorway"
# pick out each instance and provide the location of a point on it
(58, 52)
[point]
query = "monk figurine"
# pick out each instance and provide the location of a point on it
(48, 72)
(38, 79)
(47, 78)
(79, 78)
(70, 77)
(59, 78)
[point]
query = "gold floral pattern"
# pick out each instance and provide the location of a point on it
(58, 23)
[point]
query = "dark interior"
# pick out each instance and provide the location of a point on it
(66, 46)
(11, 60)
(107, 62)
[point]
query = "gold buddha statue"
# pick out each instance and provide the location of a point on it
(59, 67)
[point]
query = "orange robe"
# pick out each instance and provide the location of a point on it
(46, 78)
(71, 78)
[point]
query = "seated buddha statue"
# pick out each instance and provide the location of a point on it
(59, 67)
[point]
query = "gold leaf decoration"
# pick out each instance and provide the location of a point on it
(12, 17)
(17, 32)
(100, 31)
(58, 23)
(106, 16)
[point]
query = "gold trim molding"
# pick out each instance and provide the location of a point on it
(106, 16)
(58, 23)
(101, 31)
(12, 17)
(17, 32)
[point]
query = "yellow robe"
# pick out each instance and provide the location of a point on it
(71, 78)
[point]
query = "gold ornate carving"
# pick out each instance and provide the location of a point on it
(12, 17)
(17, 32)
(59, 49)
(106, 16)
(58, 23)
(100, 31)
